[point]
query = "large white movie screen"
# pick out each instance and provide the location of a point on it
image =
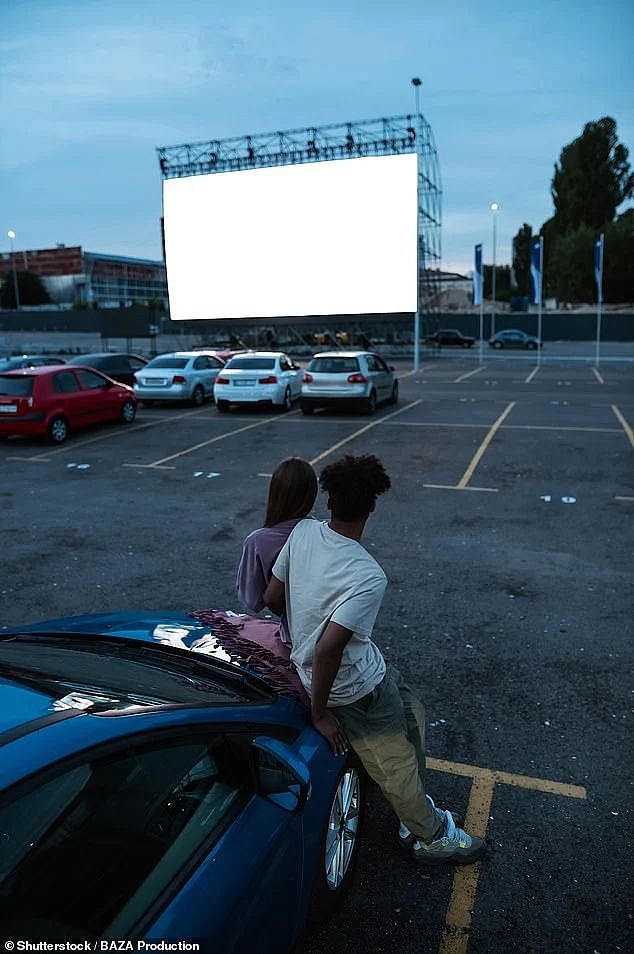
(323, 238)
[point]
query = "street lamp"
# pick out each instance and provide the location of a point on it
(11, 236)
(416, 83)
(494, 207)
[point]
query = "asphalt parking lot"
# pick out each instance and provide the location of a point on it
(507, 541)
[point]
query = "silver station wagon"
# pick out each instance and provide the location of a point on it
(354, 379)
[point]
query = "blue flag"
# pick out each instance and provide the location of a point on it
(477, 276)
(598, 267)
(536, 270)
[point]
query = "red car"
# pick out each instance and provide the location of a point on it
(54, 400)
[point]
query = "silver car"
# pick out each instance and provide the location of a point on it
(359, 379)
(180, 376)
(266, 377)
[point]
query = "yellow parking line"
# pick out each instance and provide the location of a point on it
(598, 376)
(468, 375)
(624, 498)
(466, 477)
(212, 440)
(488, 490)
(532, 375)
(511, 427)
(626, 427)
(362, 430)
(508, 778)
(455, 937)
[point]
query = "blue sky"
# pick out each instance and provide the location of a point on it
(89, 88)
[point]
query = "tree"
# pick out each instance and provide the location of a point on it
(618, 259)
(522, 260)
(31, 290)
(571, 263)
(592, 178)
(502, 282)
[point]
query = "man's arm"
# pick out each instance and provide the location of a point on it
(275, 596)
(326, 663)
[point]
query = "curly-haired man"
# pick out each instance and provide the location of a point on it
(332, 590)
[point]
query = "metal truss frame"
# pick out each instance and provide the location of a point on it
(373, 137)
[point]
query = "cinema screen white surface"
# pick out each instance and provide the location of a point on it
(335, 237)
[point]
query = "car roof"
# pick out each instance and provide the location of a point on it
(341, 354)
(77, 359)
(40, 370)
(259, 354)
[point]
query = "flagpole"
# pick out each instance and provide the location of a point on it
(481, 328)
(541, 297)
(598, 274)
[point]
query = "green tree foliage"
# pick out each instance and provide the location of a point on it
(522, 260)
(618, 259)
(31, 290)
(592, 178)
(502, 282)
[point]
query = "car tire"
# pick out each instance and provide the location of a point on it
(531, 346)
(394, 397)
(287, 403)
(222, 406)
(369, 405)
(58, 430)
(342, 827)
(497, 345)
(198, 396)
(128, 412)
(307, 408)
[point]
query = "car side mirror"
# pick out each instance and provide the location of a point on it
(281, 776)
(392, 368)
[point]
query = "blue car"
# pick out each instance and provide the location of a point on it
(149, 791)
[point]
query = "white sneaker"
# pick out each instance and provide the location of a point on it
(407, 838)
(453, 847)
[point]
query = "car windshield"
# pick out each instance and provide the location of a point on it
(18, 386)
(102, 675)
(167, 362)
(333, 365)
(248, 364)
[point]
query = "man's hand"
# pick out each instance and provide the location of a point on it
(329, 726)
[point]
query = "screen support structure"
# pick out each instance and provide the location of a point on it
(373, 137)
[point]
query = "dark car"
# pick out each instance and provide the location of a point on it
(154, 786)
(53, 401)
(513, 338)
(15, 362)
(450, 338)
(119, 367)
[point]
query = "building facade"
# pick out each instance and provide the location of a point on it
(74, 276)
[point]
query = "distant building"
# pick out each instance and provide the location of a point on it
(72, 275)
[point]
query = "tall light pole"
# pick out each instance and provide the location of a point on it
(416, 83)
(11, 236)
(494, 209)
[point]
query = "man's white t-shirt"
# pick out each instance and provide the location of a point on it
(330, 577)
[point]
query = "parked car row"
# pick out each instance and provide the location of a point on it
(509, 338)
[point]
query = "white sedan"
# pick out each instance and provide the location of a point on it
(263, 377)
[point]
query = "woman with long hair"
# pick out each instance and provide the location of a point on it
(292, 494)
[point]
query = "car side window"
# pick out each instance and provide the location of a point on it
(373, 364)
(285, 364)
(91, 381)
(133, 819)
(65, 383)
(200, 363)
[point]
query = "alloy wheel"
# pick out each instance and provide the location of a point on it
(343, 827)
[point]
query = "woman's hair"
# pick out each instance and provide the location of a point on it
(292, 491)
(353, 484)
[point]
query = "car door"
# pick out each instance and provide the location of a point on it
(101, 398)
(158, 836)
(377, 376)
(71, 399)
(385, 376)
